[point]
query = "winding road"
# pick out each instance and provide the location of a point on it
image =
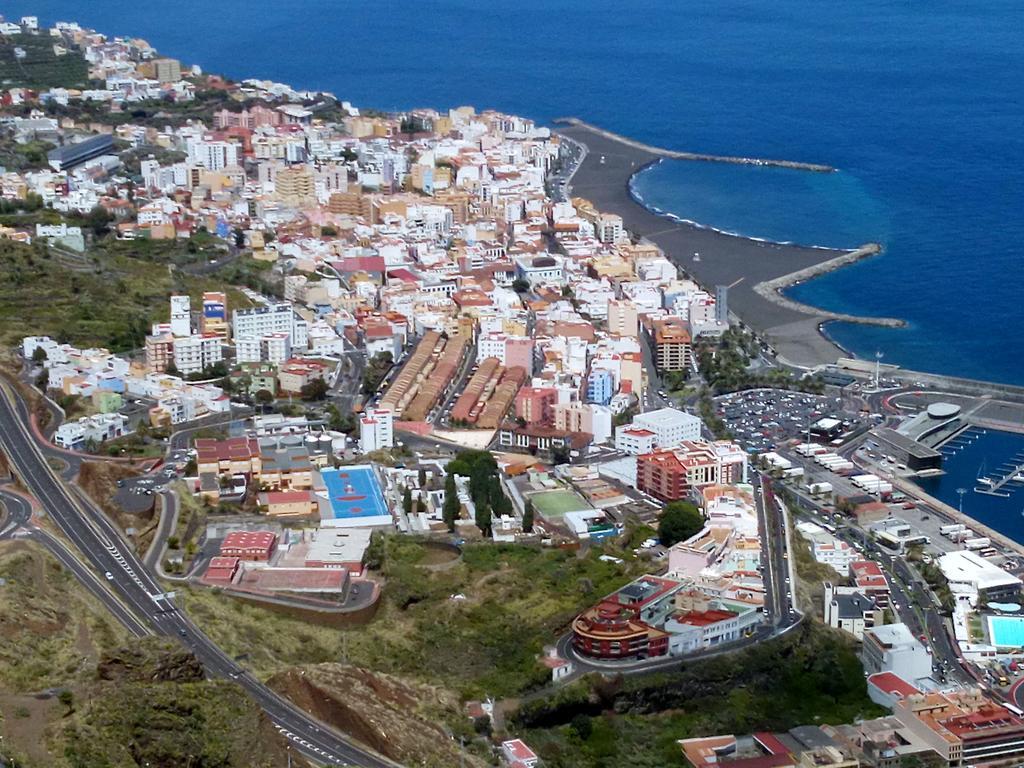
(133, 593)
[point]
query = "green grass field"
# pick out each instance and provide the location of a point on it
(40, 67)
(105, 299)
(554, 504)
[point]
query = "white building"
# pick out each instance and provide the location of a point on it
(181, 317)
(75, 435)
(273, 348)
(634, 440)
(213, 155)
(256, 322)
(670, 426)
(850, 610)
(537, 270)
(827, 549)
(893, 648)
(970, 575)
(196, 353)
(376, 430)
(690, 633)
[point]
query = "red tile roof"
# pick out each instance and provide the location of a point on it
(771, 743)
(892, 684)
(259, 540)
(287, 497)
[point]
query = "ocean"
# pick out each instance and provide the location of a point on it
(982, 453)
(918, 104)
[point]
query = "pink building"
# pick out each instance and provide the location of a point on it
(519, 352)
(536, 405)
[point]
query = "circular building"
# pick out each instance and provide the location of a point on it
(943, 410)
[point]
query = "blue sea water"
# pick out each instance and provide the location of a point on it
(983, 455)
(919, 104)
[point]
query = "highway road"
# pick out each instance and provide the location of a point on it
(102, 548)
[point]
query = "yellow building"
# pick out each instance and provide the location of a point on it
(296, 185)
(623, 318)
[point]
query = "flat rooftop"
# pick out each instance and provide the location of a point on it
(903, 443)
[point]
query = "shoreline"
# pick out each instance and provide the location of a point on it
(606, 175)
(700, 225)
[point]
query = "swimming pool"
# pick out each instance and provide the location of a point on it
(1006, 631)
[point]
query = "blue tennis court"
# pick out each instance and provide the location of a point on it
(355, 497)
(1006, 631)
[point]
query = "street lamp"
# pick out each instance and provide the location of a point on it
(960, 493)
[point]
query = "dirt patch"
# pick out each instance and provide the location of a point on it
(397, 718)
(51, 630)
(99, 481)
(438, 554)
(24, 725)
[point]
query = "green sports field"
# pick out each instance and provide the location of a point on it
(554, 504)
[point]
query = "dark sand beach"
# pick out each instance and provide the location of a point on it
(742, 263)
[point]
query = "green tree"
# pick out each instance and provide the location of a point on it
(98, 220)
(67, 700)
(38, 355)
(679, 521)
(376, 369)
(496, 497)
(407, 501)
(264, 397)
(520, 285)
(528, 517)
(483, 519)
(314, 390)
(422, 477)
(451, 508)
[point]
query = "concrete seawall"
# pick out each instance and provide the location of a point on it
(698, 156)
(772, 289)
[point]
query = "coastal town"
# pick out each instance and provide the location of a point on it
(418, 332)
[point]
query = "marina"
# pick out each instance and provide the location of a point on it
(983, 477)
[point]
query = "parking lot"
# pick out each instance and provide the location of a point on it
(762, 419)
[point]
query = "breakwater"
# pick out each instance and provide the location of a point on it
(772, 289)
(697, 156)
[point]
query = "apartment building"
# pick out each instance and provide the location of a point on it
(274, 348)
(964, 728)
(181, 316)
(623, 318)
(159, 352)
(214, 320)
(376, 430)
(536, 405)
(600, 386)
(893, 648)
(634, 441)
(196, 353)
(670, 474)
(255, 322)
(673, 344)
(670, 426)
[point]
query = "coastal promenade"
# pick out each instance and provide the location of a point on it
(715, 258)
